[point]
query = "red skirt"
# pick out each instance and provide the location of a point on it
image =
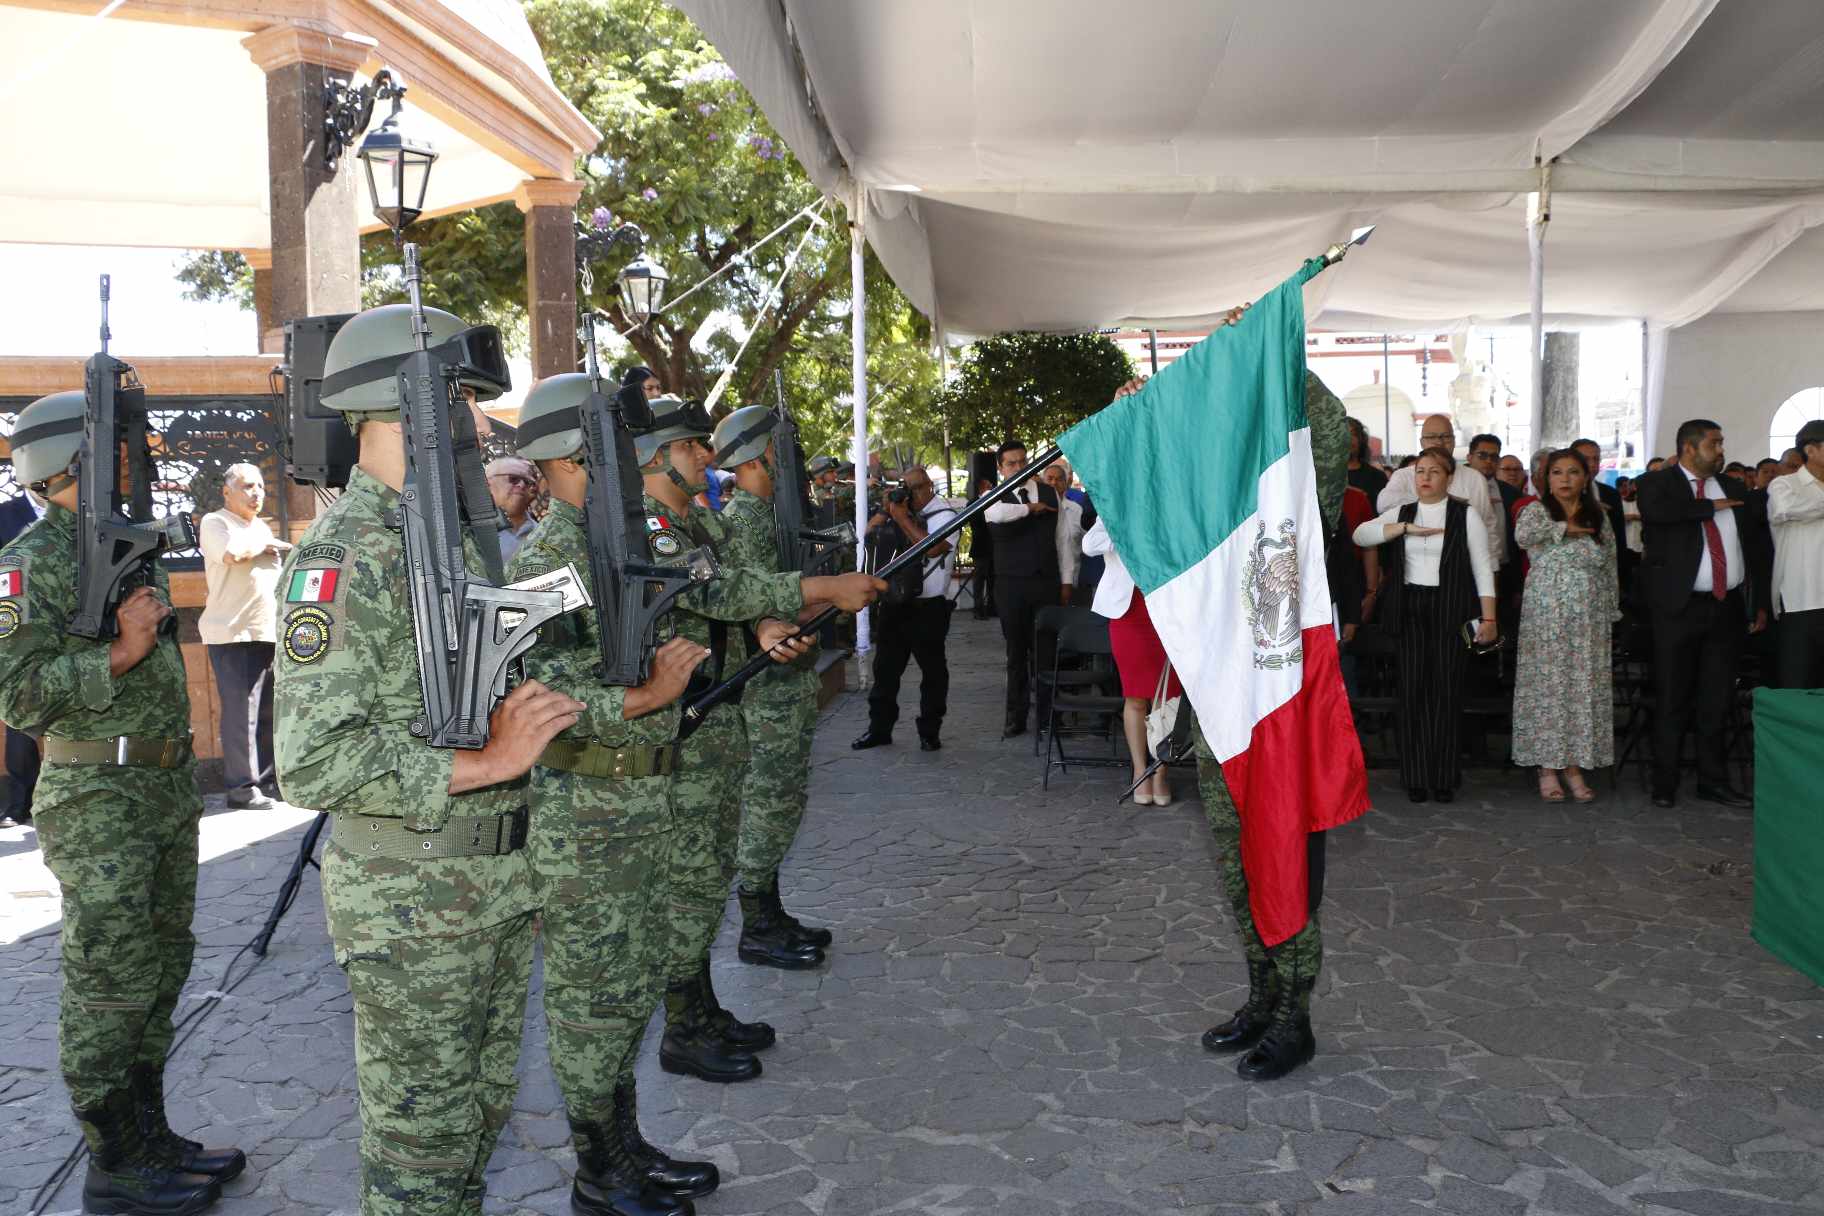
(1139, 656)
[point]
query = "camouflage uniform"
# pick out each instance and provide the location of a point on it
(438, 949)
(780, 707)
(121, 840)
(706, 791)
(1303, 954)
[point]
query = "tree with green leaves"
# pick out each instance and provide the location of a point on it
(1031, 387)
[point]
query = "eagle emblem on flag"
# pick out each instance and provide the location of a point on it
(1270, 591)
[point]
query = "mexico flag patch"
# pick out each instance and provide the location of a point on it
(312, 586)
(12, 583)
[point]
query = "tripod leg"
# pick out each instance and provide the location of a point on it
(288, 890)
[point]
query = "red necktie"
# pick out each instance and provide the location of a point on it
(1713, 540)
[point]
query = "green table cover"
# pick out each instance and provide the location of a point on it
(1789, 826)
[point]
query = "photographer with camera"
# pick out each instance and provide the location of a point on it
(913, 617)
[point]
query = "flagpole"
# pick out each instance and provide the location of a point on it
(696, 710)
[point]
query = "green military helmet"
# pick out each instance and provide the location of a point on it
(47, 436)
(821, 465)
(672, 419)
(550, 422)
(743, 436)
(361, 366)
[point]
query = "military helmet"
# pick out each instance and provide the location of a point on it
(743, 436)
(672, 419)
(360, 368)
(821, 465)
(47, 436)
(550, 425)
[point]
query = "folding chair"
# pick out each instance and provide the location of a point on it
(1086, 642)
(1042, 676)
(1376, 702)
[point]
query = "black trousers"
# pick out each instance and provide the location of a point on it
(1018, 600)
(243, 683)
(982, 546)
(1432, 662)
(21, 774)
(1695, 656)
(903, 633)
(1802, 649)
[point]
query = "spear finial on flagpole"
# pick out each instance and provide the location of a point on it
(1335, 253)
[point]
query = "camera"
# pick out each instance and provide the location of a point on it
(899, 494)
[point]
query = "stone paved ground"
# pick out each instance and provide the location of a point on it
(1526, 1009)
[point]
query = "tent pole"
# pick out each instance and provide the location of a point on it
(1152, 341)
(858, 361)
(1540, 215)
(1386, 402)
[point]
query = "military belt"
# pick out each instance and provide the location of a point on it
(122, 751)
(599, 760)
(460, 836)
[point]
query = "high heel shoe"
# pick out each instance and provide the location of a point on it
(1142, 799)
(1164, 799)
(1579, 791)
(1549, 789)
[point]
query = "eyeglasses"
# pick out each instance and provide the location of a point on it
(518, 479)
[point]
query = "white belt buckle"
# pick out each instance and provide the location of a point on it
(120, 750)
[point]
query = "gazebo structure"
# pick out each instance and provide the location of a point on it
(202, 124)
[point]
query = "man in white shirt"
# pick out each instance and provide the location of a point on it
(1466, 483)
(241, 560)
(1795, 508)
(513, 483)
(915, 630)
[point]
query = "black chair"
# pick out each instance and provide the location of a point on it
(1377, 693)
(1085, 644)
(1043, 677)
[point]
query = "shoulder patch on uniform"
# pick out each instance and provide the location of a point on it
(307, 634)
(9, 618)
(316, 586)
(323, 551)
(11, 559)
(666, 543)
(12, 583)
(657, 523)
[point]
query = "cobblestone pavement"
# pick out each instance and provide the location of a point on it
(1527, 1008)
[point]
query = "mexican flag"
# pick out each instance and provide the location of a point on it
(1205, 484)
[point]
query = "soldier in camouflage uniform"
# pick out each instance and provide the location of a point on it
(427, 885)
(701, 1038)
(1274, 1027)
(780, 709)
(116, 810)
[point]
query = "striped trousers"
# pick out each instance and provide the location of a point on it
(1432, 662)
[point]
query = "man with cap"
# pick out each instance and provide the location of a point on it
(1795, 508)
(779, 708)
(513, 484)
(427, 886)
(701, 1038)
(117, 810)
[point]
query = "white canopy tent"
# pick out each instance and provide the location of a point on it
(1066, 164)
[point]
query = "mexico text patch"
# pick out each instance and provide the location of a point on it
(306, 636)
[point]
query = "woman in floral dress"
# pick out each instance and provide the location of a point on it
(1564, 716)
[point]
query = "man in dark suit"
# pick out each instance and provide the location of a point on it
(1704, 581)
(1024, 527)
(16, 515)
(1609, 498)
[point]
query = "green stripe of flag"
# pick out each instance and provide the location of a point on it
(1175, 468)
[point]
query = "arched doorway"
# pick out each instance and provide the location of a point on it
(1803, 406)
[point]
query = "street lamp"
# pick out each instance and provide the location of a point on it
(642, 289)
(398, 171)
(641, 281)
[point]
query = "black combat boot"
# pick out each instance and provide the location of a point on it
(799, 931)
(1250, 1022)
(742, 1036)
(1288, 1041)
(610, 1183)
(148, 1083)
(691, 1179)
(691, 1045)
(765, 939)
(125, 1178)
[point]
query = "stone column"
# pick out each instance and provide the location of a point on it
(316, 239)
(314, 262)
(267, 329)
(550, 207)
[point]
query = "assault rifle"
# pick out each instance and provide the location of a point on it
(116, 541)
(631, 593)
(470, 632)
(800, 548)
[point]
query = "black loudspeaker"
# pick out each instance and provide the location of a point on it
(982, 468)
(320, 450)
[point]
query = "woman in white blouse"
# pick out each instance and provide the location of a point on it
(1437, 578)
(1139, 657)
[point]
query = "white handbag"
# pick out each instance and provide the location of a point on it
(1162, 718)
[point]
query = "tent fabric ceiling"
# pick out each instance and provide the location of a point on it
(1061, 164)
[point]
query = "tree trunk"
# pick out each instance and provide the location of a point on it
(1562, 418)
